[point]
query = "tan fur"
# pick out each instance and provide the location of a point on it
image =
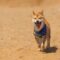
(36, 15)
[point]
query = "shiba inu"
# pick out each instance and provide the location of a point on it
(41, 29)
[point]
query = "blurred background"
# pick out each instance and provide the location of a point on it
(27, 2)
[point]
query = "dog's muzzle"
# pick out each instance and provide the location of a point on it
(37, 21)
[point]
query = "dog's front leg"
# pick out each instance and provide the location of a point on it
(39, 41)
(44, 39)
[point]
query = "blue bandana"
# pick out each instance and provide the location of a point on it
(42, 32)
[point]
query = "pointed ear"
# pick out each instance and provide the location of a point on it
(41, 12)
(33, 12)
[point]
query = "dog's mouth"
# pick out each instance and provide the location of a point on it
(38, 24)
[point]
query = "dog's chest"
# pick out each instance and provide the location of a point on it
(42, 32)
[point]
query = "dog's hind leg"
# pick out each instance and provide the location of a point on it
(48, 42)
(48, 36)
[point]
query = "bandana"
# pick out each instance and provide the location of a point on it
(42, 32)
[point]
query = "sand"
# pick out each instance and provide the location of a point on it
(16, 30)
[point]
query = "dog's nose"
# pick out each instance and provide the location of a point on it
(38, 22)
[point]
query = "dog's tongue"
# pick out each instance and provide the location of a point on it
(38, 25)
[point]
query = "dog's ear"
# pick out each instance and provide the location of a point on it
(41, 12)
(33, 12)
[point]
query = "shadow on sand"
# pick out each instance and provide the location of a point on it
(50, 50)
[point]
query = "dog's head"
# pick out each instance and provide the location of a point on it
(38, 18)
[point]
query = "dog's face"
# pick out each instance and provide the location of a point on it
(38, 18)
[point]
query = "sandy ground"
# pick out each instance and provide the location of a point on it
(16, 31)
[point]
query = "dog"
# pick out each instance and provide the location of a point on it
(41, 29)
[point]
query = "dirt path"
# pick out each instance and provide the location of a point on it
(16, 33)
